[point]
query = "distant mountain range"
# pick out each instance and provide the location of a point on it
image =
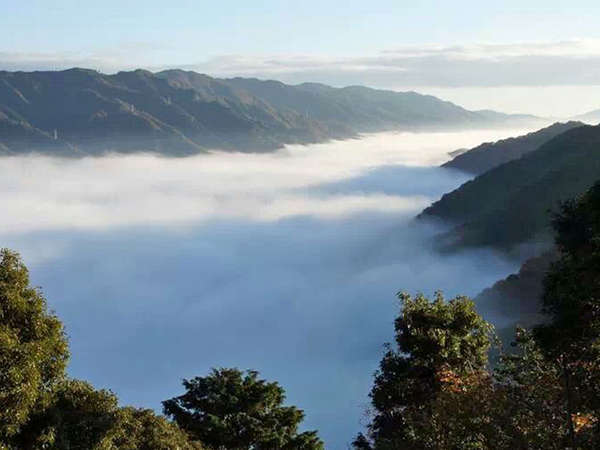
(79, 112)
(509, 205)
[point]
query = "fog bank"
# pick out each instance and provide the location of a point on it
(286, 263)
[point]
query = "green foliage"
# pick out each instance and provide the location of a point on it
(438, 344)
(235, 410)
(39, 407)
(530, 410)
(436, 391)
(77, 417)
(546, 394)
(572, 285)
(33, 347)
(571, 339)
(441, 333)
(141, 429)
(80, 416)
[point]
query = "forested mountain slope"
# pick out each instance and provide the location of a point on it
(363, 108)
(517, 298)
(492, 154)
(509, 204)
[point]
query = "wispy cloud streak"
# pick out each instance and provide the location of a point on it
(568, 62)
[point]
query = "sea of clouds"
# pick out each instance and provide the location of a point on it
(287, 262)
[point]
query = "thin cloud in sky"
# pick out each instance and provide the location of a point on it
(519, 64)
(565, 73)
(482, 64)
(574, 47)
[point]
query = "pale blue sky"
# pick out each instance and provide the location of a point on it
(194, 30)
(422, 45)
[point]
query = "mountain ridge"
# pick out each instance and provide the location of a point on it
(508, 206)
(488, 155)
(79, 112)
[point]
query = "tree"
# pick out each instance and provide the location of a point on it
(571, 299)
(141, 429)
(39, 406)
(80, 416)
(572, 285)
(529, 409)
(441, 349)
(33, 346)
(434, 391)
(236, 410)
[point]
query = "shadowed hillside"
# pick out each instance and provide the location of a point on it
(509, 205)
(492, 154)
(518, 297)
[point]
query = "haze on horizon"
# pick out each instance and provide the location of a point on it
(542, 57)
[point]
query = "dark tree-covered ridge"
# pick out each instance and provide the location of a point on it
(492, 154)
(509, 205)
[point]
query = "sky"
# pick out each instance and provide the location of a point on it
(479, 54)
(285, 262)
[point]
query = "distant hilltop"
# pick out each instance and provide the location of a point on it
(80, 112)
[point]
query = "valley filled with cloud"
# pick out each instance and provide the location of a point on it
(287, 262)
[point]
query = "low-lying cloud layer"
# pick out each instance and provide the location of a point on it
(51, 193)
(286, 263)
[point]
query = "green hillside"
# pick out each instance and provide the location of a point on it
(509, 205)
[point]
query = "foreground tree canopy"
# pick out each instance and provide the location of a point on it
(80, 416)
(436, 391)
(235, 410)
(33, 346)
(41, 408)
(439, 345)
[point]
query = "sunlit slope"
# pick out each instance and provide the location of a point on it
(181, 113)
(364, 109)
